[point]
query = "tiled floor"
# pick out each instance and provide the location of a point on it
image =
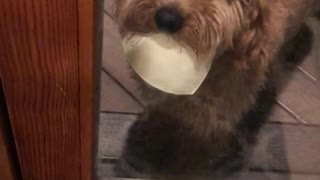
(288, 146)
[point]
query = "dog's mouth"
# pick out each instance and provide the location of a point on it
(164, 64)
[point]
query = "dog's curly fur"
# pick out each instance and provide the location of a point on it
(243, 37)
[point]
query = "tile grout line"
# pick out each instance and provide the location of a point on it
(119, 113)
(291, 112)
(109, 160)
(307, 74)
(294, 124)
(111, 17)
(127, 91)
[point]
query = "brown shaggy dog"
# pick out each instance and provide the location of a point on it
(243, 37)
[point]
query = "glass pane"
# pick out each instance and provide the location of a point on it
(254, 116)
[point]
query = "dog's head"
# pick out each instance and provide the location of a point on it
(207, 26)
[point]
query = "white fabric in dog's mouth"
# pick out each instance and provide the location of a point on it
(166, 65)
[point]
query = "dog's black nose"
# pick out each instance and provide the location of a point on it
(168, 19)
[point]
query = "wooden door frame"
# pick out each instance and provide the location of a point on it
(56, 137)
(9, 168)
(90, 47)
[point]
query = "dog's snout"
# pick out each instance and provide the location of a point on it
(168, 19)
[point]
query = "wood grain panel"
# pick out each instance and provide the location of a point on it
(6, 165)
(115, 99)
(40, 71)
(282, 148)
(7, 169)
